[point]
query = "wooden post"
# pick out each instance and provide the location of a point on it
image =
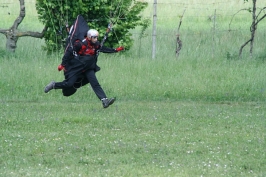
(154, 29)
(213, 34)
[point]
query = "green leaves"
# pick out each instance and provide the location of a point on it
(125, 14)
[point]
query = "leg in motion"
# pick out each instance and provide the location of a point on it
(90, 74)
(60, 85)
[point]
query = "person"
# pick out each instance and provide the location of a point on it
(66, 67)
(83, 66)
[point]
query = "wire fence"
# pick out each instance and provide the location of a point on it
(199, 19)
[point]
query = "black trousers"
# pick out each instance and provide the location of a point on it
(90, 75)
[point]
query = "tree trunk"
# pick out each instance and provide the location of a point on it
(11, 41)
(12, 34)
(253, 27)
(178, 40)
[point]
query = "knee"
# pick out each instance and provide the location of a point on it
(69, 91)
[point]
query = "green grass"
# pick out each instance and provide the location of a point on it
(131, 138)
(140, 79)
(172, 118)
(202, 114)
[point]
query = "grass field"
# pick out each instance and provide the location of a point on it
(132, 138)
(202, 114)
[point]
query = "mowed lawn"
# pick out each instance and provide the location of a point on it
(132, 138)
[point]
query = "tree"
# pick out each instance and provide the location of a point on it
(124, 14)
(255, 21)
(12, 34)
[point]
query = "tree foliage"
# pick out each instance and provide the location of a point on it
(124, 14)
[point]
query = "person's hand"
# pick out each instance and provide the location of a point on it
(61, 67)
(119, 48)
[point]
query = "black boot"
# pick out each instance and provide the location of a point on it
(49, 87)
(107, 102)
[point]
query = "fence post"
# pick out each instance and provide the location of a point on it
(213, 35)
(154, 29)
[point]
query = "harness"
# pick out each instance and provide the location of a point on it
(88, 49)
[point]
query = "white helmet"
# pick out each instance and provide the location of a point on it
(92, 32)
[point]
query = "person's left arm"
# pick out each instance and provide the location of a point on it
(110, 50)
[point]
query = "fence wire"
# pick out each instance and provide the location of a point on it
(219, 18)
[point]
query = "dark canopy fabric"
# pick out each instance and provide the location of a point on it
(78, 30)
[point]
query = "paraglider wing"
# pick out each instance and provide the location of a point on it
(78, 30)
